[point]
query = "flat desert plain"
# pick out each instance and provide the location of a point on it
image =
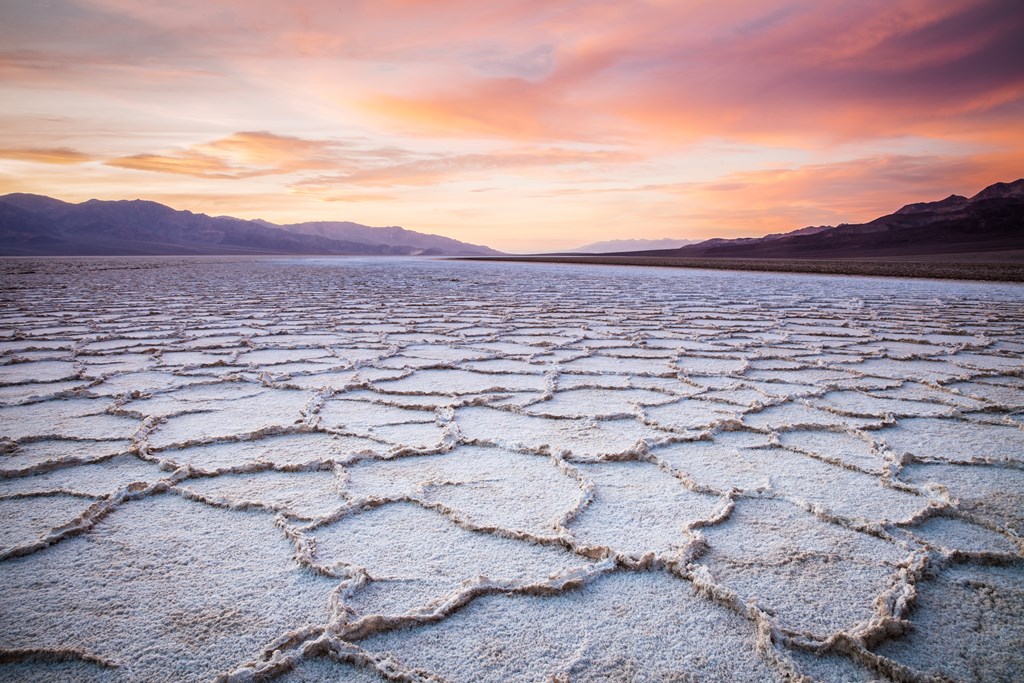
(367, 470)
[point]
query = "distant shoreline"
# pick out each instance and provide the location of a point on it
(988, 272)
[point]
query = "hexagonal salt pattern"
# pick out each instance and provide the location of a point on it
(353, 469)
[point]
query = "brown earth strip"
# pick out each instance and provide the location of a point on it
(1002, 272)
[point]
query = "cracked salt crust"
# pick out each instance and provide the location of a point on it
(410, 470)
(955, 440)
(624, 627)
(636, 511)
(994, 494)
(164, 588)
(487, 486)
(958, 608)
(429, 558)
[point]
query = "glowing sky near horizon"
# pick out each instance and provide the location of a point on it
(529, 125)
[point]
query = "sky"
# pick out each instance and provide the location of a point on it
(528, 126)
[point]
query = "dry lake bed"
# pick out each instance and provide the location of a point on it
(367, 470)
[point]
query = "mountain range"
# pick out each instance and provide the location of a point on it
(609, 246)
(35, 225)
(989, 223)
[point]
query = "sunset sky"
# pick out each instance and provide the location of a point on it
(530, 125)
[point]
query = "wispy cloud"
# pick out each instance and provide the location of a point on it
(576, 117)
(437, 169)
(242, 155)
(315, 165)
(355, 197)
(800, 72)
(46, 155)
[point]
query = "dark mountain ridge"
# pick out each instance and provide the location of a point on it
(36, 225)
(392, 235)
(990, 221)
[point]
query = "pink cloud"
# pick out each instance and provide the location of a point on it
(558, 104)
(763, 71)
(859, 70)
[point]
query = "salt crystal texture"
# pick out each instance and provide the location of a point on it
(368, 470)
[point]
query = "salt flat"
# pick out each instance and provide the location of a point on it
(363, 470)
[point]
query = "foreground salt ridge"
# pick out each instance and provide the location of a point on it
(768, 454)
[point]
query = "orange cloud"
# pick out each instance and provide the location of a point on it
(241, 155)
(281, 153)
(48, 155)
(185, 163)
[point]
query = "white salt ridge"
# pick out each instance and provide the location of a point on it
(993, 495)
(603, 364)
(418, 436)
(483, 485)
(339, 381)
(638, 509)
(291, 452)
(597, 403)
(459, 382)
(428, 558)
(862, 404)
(266, 411)
(1010, 397)
(955, 611)
(84, 419)
(957, 535)
(49, 454)
(690, 414)
(498, 366)
(836, 494)
(276, 357)
(803, 416)
(12, 394)
(104, 366)
(955, 440)
(206, 396)
(580, 438)
(429, 470)
(29, 519)
(815, 577)
(94, 479)
(362, 415)
(140, 382)
(304, 495)
(156, 590)
(646, 626)
(850, 449)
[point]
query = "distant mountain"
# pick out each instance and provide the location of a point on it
(990, 221)
(809, 230)
(34, 225)
(392, 235)
(629, 245)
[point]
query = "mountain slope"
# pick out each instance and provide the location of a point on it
(33, 225)
(393, 235)
(990, 221)
(608, 246)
